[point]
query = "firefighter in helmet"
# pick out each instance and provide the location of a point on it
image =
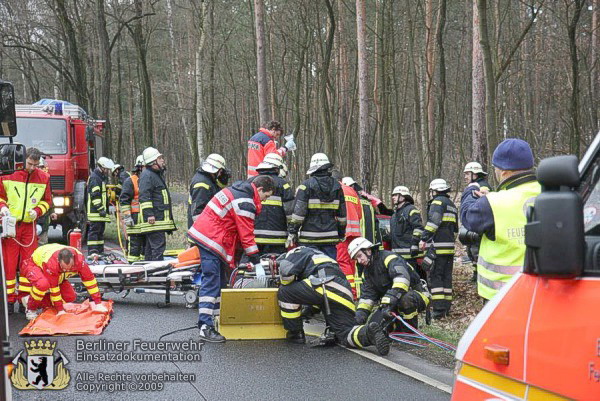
(210, 178)
(97, 205)
(130, 210)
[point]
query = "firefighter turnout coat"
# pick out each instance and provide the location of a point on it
(406, 229)
(155, 201)
(130, 202)
(442, 224)
(202, 188)
(319, 216)
(97, 198)
(270, 227)
(388, 279)
(227, 221)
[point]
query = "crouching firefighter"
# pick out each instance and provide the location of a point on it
(390, 281)
(45, 278)
(305, 272)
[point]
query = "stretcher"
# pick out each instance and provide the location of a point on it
(177, 276)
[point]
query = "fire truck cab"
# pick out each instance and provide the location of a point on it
(72, 141)
(539, 337)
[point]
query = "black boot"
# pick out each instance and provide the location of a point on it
(209, 334)
(11, 308)
(296, 337)
(378, 338)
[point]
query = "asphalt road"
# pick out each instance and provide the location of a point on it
(248, 370)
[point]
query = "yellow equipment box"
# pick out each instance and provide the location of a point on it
(250, 314)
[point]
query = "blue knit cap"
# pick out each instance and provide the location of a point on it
(513, 154)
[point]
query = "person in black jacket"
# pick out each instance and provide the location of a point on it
(319, 217)
(390, 282)
(299, 270)
(476, 180)
(155, 205)
(97, 205)
(406, 227)
(271, 225)
(210, 178)
(439, 236)
(119, 176)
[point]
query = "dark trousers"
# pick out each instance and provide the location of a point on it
(136, 247)
(213, 279)
(341, 304)
(409, 307)
(95, 237)
(264, 249)
(440, 283)
(329, 250)
(156, 243)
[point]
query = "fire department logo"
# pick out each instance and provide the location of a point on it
(42, 370)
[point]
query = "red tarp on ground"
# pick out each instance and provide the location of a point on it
(79, 320)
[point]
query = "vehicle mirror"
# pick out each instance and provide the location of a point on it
(554, 234)
(8, 117)
(558, 171)
(12, 158)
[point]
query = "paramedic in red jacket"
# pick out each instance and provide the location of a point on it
(263, 142)
(45, 278)
(226, 221)
(25, 195)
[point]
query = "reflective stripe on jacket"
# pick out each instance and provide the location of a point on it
(22, 191)
(501, 258)
(97, 198)
(271, 225)
(228, 221)
(155, 201)
(261, 144)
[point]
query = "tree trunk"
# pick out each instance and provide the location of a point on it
(574, 103)
(105, 73)
(479, 148)
(261, 64)
(200, 131)
(490, 81)
(325, 110)
(363, 95)
(441, 25)
(595, 65)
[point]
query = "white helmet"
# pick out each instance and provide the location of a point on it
(439, 184)
(348, 181)
(283, 171)
(401, 190)
(317, 161)
(272, 160)
(359, 244)
(105, 162)
(150, 155)
(139, 161)
(42, 162)
(213, 163)
(474, 167)
(115, 167)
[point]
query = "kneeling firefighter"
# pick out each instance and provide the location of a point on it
(390, 281)
(304, 272)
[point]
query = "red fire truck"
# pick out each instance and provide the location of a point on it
(72, 141)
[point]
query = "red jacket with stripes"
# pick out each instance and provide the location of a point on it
(227, 222)
(353, 212)
(261, 144)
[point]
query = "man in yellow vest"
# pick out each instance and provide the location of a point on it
(500, 217)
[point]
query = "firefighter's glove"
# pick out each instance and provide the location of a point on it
(32, 214)
(4, 211)
(386, 313)
(361, 316)
(292, 240)
(389, 300)
(98, 308)
(128, 221)
(291, 145)
(102, 213)
(414, 251)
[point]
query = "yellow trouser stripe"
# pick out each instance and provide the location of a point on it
(291, 315)
(93, 291)
(355, 337)
(89, 283)
(38, 292)
(338, 299)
